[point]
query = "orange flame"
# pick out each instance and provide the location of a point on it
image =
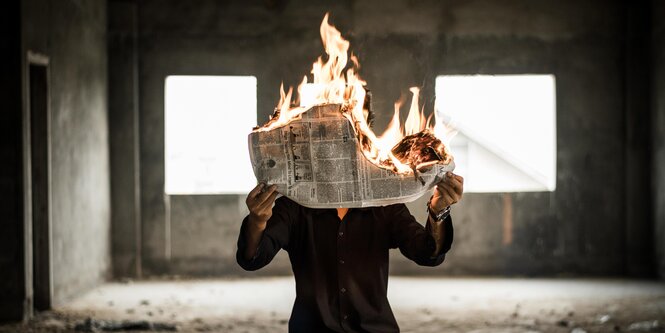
(332, 84)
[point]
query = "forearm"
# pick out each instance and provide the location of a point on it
(437, 230)
(253, 237)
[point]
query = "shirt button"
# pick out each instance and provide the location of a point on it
(343, 290)
(341, 261)
(341, 233)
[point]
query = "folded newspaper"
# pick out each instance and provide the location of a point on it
(316, 162)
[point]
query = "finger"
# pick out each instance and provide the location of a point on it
(267, 204)
(263, 196)
(456, 185)
(443, 194)
(256, 190)
(443, 187)
(265, 208)
(437, 189)
(450, 192)
(453, 177)
(436, 193)
(456, 181)
(444, 201)
(257, 199)
(455, 197)
(444, 182)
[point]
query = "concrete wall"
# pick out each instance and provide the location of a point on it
(658, 61)
(72, 34)
(580, 228)
(12, 291)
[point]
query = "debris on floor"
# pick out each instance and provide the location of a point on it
(563, 323)
(644, 326)
(95, 325)
(421, 305)
(604, 319)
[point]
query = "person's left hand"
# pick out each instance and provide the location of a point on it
(447, 192)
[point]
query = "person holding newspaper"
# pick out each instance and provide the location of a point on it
(339, 256)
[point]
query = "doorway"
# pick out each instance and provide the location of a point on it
(40, 181)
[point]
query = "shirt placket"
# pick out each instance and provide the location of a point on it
(342, 273)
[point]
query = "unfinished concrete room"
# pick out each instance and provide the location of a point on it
(174, 165)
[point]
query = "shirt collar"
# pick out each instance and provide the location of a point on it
(319, 211)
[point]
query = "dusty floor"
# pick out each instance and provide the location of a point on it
(420, 305)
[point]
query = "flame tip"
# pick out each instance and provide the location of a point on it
(334, 82)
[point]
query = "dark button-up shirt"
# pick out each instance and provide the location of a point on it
(341, 266)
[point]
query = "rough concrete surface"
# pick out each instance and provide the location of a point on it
(578, 229)
(73, 35)
(419, 304)
(107, 145)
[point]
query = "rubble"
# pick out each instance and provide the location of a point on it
(563, 323)
(95, 325)
(644, 326)
(604, 319)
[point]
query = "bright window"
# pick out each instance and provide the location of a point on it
(506, 125)
(207, 120)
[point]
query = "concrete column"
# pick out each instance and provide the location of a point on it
(658, 128)
(639, 243)
(124, 138)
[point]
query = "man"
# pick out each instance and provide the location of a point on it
(340, 257)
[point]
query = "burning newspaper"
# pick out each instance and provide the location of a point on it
(316, 162)
(322, 152)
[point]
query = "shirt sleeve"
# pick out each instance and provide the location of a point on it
(275, 237)
(415, 241)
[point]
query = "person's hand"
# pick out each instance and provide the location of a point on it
(447, 192)
(260, 201)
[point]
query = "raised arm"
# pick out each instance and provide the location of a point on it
(427, 245)
(416, 242)
(447, 193)
(265, 230)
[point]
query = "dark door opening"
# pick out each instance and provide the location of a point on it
(40, 174)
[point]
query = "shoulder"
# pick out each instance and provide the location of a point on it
(288, 207)
(284, 201)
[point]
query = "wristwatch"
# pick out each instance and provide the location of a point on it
(440, 216)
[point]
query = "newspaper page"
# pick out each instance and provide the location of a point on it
(315, 161)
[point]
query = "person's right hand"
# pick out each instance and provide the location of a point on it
(260, 201)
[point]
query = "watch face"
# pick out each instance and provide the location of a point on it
(442, 214)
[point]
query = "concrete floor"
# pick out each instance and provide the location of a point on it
(420, 305)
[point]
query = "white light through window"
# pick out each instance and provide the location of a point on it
(207, 120)
(507, 130)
